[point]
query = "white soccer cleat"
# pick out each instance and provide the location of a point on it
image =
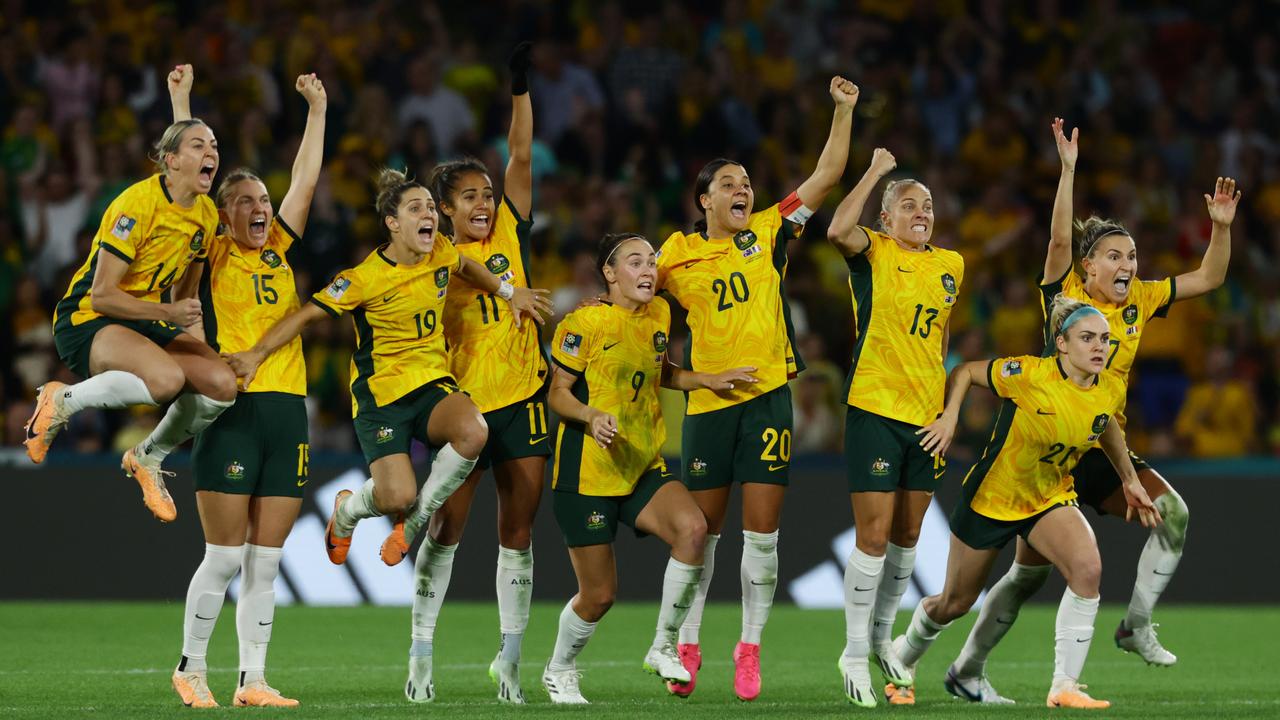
(975, 690)
(1143, 641)
(857, 681)
(894, 670)
(562, 686)
(664, 661)
(506, 675)
(419, 688)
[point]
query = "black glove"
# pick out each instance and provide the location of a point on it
(519, 64)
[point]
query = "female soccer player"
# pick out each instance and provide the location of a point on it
(1056, 408)
(117, 328)
(729, 275)
(1109, 258)
(400, 382)
(611, 358)
(251, 463)
(500, 364)
(903, 292)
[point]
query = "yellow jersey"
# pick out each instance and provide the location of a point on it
(1147, 299)
(246, 291)
(738, 312)
(617, 356)
(1044, 426)
(397, 310)
(157, 237)
(902, 301)
(494, 361)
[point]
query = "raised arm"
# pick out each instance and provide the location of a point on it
(306, 166)
(180, 79)
(602, 426)
(1113, 444)
(843, 232)
(108, 299)
(835, 154)
(517, 184)
(939, 433)
(1213, 267)
(1058, 260)
(525, 302)
(245, 363)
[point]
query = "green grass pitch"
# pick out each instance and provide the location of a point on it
(105, 660)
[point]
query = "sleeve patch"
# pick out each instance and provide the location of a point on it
(1010, 368)
(571, 343)
(794, 210)
(338, 288)
(123, 227)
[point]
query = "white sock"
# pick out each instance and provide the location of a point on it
(186, 417)
(693, 621)
(433, 569)
(448, 471)
(205, 594)
(1073, 633)
(572, 635)
(759, 574)
(354, 509)
(999, 611)
(679, 585)
(515, 593)
(109, 389)
(862, 576)
(256, 608)
(1159, 559)
(920, 635)
(899, 562)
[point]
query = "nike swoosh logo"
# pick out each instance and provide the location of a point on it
(1041, 412)
(858, 589)
(901, 577)
(233, 253)
(902, 269)
(264, 624)
(1003, 622)
(201, 617)
(606, 347)
(302, 482)
(535, 441)
(681, 607)
(753, 582)
(1080, 640)
(776, 467)
(328, 544)
(1164, 574)
(387, 298)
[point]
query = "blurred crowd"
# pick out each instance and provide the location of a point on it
(630, 100)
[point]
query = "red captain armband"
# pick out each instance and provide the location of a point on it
(792, 209)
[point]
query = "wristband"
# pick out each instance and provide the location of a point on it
(506, 291)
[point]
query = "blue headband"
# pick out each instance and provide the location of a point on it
(1078, 314)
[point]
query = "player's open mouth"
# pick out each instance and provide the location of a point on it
(1121, 284)
(644, 285)
(919, 227)
(258, 225)
(480, 222)
(739, 210)
(206, 172)
(426, 232)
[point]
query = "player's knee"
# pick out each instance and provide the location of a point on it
(691, 533)
(874, 544)
(470, 436)
(593, 603)
(515, 537)
(1173, 509)
(905, 537)
(951, 605)
(221, 383)
(396, 499)
(1086, 577)
(165, 382)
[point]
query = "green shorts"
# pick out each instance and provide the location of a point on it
(882, 455)
(258, 446)
(1096, 478)
(74, 342)
(983, 533)
(593, 520)
(749, 442)
(390, 429)
(518, 430)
